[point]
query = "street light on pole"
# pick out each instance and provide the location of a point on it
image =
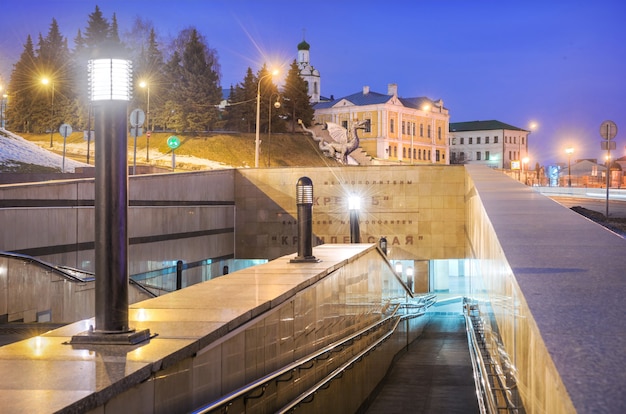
(269, 125)
(47, 81)
(110, 88)
(569, 151)
(258, 116)
(145, 85)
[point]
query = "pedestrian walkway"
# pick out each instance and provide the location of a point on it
(433, 376)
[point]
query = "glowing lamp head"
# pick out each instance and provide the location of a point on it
(354, 203)
(110, 80)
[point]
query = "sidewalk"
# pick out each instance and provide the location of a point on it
(433, 376)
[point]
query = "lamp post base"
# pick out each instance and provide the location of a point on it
(92, 337)
(307, 259)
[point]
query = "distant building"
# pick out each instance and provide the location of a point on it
(310, 75)
(411, 130)
(491, 143)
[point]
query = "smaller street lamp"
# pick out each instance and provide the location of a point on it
(525, 162)
(145, 85)
(47, 81)
(269, 125)
(354, 205)
(258, 116)
(569, 151)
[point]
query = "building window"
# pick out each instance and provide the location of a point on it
(478, 140)
(419, 154)
(461, 156)
(344, 124)
(510, 155)
(486, 140)
(403, 152)
(413, 153)
(437, 155)
(413, 128)
(478, 156)
(523, 141)
(421, 130)
(428, 131)
(462, 141)
(391, 125)
(403, 127)
(495, 140)
(438, 132)
(429, 156)
(514, 140)
(487, 155)
(368, 125)
(469, 140)
(453, 141)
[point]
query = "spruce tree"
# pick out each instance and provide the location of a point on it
(23, 92)
(296, 98)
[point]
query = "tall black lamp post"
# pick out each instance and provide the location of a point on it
(110, 83)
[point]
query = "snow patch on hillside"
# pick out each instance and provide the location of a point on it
(15, 149)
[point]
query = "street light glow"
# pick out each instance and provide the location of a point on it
(354, 202)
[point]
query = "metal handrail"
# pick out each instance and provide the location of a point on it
(338, 371)
(291, 367)
(486, 401)
(66, 272)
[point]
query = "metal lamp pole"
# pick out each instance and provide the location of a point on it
(258, 117)
(144, 84)
(569, 152)
(269, 126)
(110, 91)
(45, 81)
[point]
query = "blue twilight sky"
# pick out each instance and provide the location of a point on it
(561, 64)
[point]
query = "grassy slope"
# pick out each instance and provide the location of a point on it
(232, 149)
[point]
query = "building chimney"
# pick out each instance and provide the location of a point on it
(366, 90)
(392, 89)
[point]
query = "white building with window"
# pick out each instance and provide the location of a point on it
(491, 143)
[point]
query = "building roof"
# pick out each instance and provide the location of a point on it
(374, 98)
(482, 126)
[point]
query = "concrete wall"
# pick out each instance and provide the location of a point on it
(552, 283)
(420, 209)
(187, 216)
